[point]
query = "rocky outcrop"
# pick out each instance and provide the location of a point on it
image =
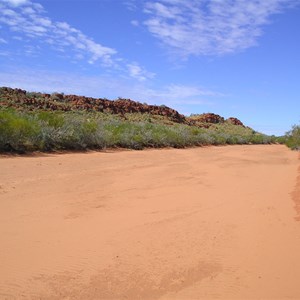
(205, 120)
(234, 121)
(22, 99)
(210, 118)
(19, 98)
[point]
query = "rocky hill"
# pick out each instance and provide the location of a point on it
(21, 99)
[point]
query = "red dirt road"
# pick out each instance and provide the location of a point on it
(201, 223)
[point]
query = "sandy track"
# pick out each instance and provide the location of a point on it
(202, 223)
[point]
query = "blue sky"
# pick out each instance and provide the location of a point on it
(236, 58)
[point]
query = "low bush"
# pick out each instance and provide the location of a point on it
(17, 132)
(22, 131)
(292, 138)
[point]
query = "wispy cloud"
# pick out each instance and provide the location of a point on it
(135, 23)
(27, 17)
(28, 22)
(178, 94)
(131, 5)
(210, 27)
(138, 72)
(69, 83)
(173, 95)
(16, 2)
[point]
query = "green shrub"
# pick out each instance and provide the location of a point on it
(17, 132)
(52, 119)
(292, 138)
(47, 131)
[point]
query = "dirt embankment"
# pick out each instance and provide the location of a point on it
(202, 223)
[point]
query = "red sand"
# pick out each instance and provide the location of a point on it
(202, 223)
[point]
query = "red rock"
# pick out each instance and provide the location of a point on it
(19, 98)
(234, 121)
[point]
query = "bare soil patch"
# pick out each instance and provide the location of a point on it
(201, 223)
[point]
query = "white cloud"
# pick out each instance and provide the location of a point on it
(187, 91)
(46, 81)
(135, 23)
(28, 18)
(210, 27)
(16, 2)
(131, 5)
(139, 73)
(43, 21)
(3, 41)
(28, 10)
(173, 95)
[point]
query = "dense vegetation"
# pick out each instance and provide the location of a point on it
(292, 138)
(23, 131)
(48, 122)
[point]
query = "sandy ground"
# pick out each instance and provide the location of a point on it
(202, 223)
